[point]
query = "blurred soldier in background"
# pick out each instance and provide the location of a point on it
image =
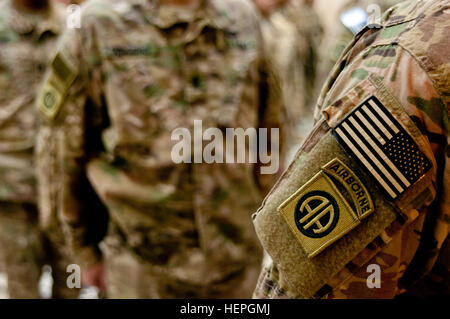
(28, 33)
(134, 73)
(353, 17)
(292, 34)
(348, 19)
(364, 211)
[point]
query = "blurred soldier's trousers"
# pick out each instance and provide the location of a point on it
(24, 250)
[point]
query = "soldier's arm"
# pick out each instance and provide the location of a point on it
(62, 147)
(360, 187)
(272, 115)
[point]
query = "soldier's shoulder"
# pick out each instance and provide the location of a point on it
(410, 10)
(422, 27)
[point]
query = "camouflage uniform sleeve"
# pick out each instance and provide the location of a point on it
(62, 147)
(317, 249)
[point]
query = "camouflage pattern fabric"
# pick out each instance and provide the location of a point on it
(409, 57)
(142, 70)
(343, 35)
(27, 43)
(129, 276)
(292, 34)
(26, 250)
(22, 250)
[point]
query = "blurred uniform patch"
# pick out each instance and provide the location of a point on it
(55, 88)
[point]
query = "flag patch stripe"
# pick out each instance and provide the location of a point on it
(377, 140)
(370, 127)
(380, 152)
(375, 158)
(367, 164)
(384, 116)
(378, 123)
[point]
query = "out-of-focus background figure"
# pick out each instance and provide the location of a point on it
(342, 19)
(353, 16)
(135, 73)
(292, 33)
(28, 35)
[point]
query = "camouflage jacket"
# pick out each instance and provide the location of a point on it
(402, 70)
(132, 74)
(27, 42)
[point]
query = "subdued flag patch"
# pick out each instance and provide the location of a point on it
(372, 135)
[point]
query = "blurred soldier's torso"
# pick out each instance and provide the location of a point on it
(27, 43)
(292, 33)
(154, 69)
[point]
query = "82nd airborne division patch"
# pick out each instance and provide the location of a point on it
(318, 214)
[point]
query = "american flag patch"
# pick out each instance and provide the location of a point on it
(376, 139)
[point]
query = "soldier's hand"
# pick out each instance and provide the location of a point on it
(95, 276)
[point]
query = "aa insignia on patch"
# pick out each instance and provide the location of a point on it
(377, 140)
(57, 84)
(319, 214)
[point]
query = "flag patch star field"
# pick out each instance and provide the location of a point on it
(372, 136)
